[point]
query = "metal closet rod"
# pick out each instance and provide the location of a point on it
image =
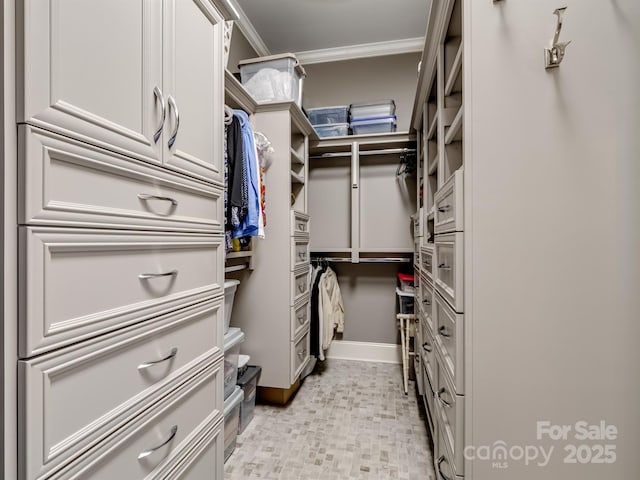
(365, 152)
(364, 260)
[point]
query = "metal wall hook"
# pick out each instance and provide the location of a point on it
(553, 56)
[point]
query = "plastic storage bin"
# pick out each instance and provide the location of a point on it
(249, 384)
(406, 282)
(231, 420)
(384, 108)
(332, 129)
(327, 115)
(405, 301)
(230, 287)
(275, 78)
(243, 364)
(232, 340)
(374, 125)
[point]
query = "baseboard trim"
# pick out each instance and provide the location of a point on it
(365, 351)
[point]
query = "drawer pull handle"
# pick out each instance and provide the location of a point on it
(158, 94)
(302, 255)
(442, 401)
(147, 196)
(301, 287)
(441, 459)
(145, 365)
(301, 319)
(427, 348)
(426, 302)
(443, 331)
(145, 276)
(174, 134)
(302, 354)
(302, 227)
(444, 266)
(146, 453)
(444, 208)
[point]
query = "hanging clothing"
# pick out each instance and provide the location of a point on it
(332, 307)
(315, 338)
(251, 224)
(236, 196)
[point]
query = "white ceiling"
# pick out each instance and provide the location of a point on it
(318, 25)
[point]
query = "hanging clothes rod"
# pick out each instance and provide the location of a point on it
(386, 151)
(363, 260)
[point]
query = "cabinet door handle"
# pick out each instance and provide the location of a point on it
(441, 459)
(172, 434)
(427, 348)
(158, 94)
(145, 365)
(302, 354)
(302, 227)
(301, 319)
(444, 208)
(174, 134)
(444, 266)
(442, 401)
(148, 196)
(301, 288)
(145, 276)
(426, 302)
(443, 331)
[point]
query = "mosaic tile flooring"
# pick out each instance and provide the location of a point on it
(349, 420)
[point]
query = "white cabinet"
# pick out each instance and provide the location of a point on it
(137, 89)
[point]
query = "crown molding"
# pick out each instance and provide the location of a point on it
(367, 50)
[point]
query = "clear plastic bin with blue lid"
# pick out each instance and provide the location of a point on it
(366, 126)
(368, 110)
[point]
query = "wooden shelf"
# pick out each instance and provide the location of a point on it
(235, 94)
(296, 157)
(295, 178)
(241, 254)
(455, 128)
(455, 70)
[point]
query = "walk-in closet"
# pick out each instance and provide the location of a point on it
(320, 240)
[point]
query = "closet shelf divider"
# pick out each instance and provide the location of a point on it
(455, 70)
(455, 127)
(296, 157)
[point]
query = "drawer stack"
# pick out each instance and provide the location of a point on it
(121, 260)
(300, 293)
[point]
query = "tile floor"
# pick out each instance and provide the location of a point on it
(349, 420)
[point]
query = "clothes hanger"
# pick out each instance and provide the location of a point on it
(228, 115)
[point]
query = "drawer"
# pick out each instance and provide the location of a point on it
(299, 285)
(426, 301)
(300, 317)
(442, 457)
(429, 395)
(426, 261)
(451, 415)
(448, 260)
(449, 337)
(148, 446)
(299, 355)
(449, 205)
(65, 182)
(299, 253)
(78, 395)
(428, 351)
(64, 274)
(299, 224)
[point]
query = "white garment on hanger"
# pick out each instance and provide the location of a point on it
(332, 317)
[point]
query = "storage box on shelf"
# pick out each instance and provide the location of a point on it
(232, 340)
(231, 420)
(385, 108)
(249, 384)
(230, 287)
(274, 78)
(365, 126)
(332, 129)
(327, 115)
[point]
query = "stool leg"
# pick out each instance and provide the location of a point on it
(403, 342)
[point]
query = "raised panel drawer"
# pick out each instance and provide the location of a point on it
(429, 394)
(448, 261)
(426, 301)
(299, 224)
(443, 458)
(426, 261)
(449, 337)
(451, 410)
(77, 283)
(75, 397)
(448, 211)
(300, 317)
(299, 284)
(428, 351)
(66, 182)
(299, 355)
(148, 445)
(299, 253)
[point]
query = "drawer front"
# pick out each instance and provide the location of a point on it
(299, 224)
(64, 274)
(65, 182)
(299, 355)
(149, 443)
(428, 351)
(426, 261)
(299, 253)
(449, 269)
(426, 301)
(299, 285)
(448, 211)
(451, 410)
(300, 317)
(417, 358)
(429, 395)
(443, 458)
(449, 337)
(80, 394)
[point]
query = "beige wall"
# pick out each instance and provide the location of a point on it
(368, 79)
(240, 49)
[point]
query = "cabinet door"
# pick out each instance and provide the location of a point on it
(193, 80)
(88, 69)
